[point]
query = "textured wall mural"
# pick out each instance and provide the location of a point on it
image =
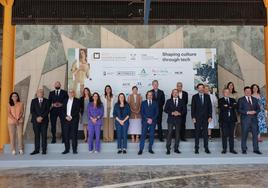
(41, 51)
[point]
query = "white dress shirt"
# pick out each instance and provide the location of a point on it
(69, 106)
(57, 92)
(175, 101)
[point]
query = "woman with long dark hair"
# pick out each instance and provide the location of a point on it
(234, 95)
(108, 120)
(85, 99)
(121, 114)
(95, 115)
(255, 89)
(15, 122)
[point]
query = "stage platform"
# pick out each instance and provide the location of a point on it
(109, 157)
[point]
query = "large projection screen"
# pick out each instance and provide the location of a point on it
(123, 68)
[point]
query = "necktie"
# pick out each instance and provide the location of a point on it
(150, 102)
(227, 100)
(175, 102)
(40, 102)
(58, 92)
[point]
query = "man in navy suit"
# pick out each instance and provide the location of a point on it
(249, 108)
(175, 108)
(39, 111)
(159, 97)
(227, 120)
(201, 111)
(56, 99)
(149, 113)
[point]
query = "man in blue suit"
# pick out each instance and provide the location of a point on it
(149, 113)
(249, 108)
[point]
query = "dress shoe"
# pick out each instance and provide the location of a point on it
(184, 140)
(44, 152)
(53, 141)
(75, 152)
(196, 151)
(119, 151)
(233, 152)
(124, 151)
(177, 151)
(244, 152)
(140, 152)
(257, 152)
(34, 153)
(161, 140)
(168, 152)
(151, 151)
(207, 151)
(223, 152)
(65, 152)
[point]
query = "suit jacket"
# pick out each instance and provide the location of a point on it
(82, 99)
(185, 97)
(160, 99)
(244, 107)
(149, 111)
(226, 109)
(171, 107)
(123, 115)
(37, 110)
(53, 98)
(199, 111)
(74, 111)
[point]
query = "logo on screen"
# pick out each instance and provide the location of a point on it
(96, 55)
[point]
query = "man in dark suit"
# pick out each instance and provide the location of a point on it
(149, 113)
(227, 120)
(249, 108)
(183, 95)
(70, 128)
(159, 97)
(56, 99)
(39, 111)
(201, 111)
(175, 108)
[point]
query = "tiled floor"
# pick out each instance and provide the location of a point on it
(214, 176)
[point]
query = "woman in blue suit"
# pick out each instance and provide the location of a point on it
(121, 114)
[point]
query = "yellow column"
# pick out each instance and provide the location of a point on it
(8, 62)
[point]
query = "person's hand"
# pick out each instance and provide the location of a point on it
(225, 105)
(121, 122)
(194, 120)
(68, 118)
(177, 113)
(251, 112)
(39, 119)
(149, 121)
(209, 120)
(94, 120)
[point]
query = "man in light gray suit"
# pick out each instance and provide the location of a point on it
(249, 108)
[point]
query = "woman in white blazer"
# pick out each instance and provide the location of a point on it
(108, 120)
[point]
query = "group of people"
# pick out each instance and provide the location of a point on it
(137, 117)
